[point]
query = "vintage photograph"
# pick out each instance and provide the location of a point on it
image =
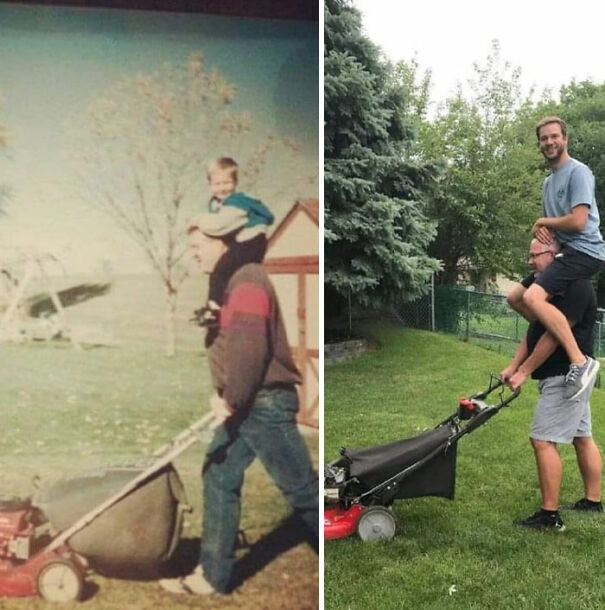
(159, 305)
(464, 307)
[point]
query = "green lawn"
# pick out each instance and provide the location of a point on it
(65, 411)
(411, 381)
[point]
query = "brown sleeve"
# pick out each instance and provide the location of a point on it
(245, 321)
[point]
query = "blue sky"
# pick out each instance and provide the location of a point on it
(54, 61)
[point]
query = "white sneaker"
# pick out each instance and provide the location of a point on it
(192, 584)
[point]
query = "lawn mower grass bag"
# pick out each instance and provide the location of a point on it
(435, 476)
(133, 536)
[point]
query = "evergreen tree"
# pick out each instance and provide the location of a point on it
(376, 234)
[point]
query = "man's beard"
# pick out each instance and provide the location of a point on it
(554, 160)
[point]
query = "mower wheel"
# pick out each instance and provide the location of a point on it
(60, 581)
(376, 523)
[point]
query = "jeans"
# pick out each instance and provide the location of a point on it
(267, 431)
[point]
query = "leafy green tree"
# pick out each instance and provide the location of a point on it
(417, 87)
(487, 198)
(376, 235)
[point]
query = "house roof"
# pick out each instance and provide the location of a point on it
(294, 262)
(311, 206)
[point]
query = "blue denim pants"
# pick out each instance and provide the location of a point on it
(268, 431)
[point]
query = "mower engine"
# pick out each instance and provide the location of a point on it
(468, 408)
(17, 529)
(25, 567)
(335, 478)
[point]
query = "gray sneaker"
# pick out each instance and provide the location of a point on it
(579, 377)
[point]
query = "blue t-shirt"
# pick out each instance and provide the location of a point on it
(566, 187)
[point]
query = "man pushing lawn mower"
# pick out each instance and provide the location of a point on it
(558, 419)
(256, 403)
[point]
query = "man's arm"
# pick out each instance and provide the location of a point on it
(519, 357)
(573, 222)
(544, 348)
(245, 318)
(581, 194)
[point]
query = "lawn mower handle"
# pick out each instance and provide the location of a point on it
(499, 383)
(163, 457)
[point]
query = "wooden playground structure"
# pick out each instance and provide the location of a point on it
(292, 260)
(17, 276)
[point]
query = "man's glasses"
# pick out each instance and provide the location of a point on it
(532, 256)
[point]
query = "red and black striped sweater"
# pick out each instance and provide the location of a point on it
(251, 350)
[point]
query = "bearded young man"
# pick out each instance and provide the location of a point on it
(572, 216)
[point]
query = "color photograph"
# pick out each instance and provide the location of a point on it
(159, 305)
(464, 305)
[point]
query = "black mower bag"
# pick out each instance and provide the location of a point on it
(430, 457)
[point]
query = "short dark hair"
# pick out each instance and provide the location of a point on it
(551, 119)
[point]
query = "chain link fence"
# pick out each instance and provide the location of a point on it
(477, 317)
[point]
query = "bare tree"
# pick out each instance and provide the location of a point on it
(144, 146)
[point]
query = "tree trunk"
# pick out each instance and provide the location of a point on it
(170, 321)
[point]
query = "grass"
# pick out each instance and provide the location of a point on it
(499, 332)
(410, 382)
(65, 411)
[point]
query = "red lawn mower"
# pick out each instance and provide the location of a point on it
(362, 484)
(25, 567)
(117, 521)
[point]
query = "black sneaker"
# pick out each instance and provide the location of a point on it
(541, 520)
(586, 506)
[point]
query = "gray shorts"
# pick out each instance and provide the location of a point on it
(558, 419)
